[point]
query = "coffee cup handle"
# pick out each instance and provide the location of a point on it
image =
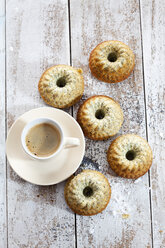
(71, 142)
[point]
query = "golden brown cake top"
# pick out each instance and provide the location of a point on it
(130, 156)
(88, 193)
(61, 86)
(111, 61)
(100, 117)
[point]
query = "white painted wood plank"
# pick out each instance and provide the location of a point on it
(2, 9)
(153, 30)
(91, 23)
(37, 38)
(3, 222)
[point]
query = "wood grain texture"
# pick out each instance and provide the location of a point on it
(37, 38)
(91, 23)
(3, 222)
(153, 33)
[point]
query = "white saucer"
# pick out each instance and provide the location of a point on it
(51, 171)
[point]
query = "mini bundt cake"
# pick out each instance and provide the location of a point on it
(61, 86)
(111, 61)
(88, 193)
(130, 156)
(100, 117)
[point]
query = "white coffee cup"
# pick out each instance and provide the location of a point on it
(65, 142)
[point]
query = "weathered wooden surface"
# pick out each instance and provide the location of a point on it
(153, 29)
(3, 210)
(37, 38)
(91, 23)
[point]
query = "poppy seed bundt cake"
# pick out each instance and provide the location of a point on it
(61, 86)
(100, 117)
(88, 193)
(130, 156)
(111, 61)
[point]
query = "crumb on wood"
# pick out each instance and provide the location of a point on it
(125, 216)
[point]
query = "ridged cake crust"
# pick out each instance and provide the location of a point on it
(111, 72)
(100, 129)
(130, 156)
(61, 97)
(87, 205)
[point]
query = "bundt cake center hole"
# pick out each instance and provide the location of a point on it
(130, 155)
(99, 114)
(61, 82)
(88, 191)
(112, 57)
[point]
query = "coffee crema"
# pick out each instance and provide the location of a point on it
(43, 140)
